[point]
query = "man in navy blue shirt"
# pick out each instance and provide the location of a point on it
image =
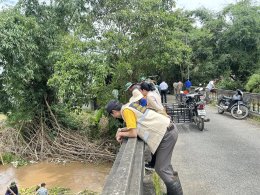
(187, 85)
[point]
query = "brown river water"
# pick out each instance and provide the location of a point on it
(76, 176)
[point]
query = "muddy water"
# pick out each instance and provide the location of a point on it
(76, 176)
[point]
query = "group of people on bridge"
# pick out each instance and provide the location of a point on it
(179, 88)
(145, 117)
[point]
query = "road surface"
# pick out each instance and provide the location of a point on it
(224, 159)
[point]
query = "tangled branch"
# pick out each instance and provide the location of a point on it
(46, 139)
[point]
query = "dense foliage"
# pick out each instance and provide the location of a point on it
(228, 47)
(70, 52)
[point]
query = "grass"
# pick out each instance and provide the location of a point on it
(157, 184)
(255, 118)
(56, 191)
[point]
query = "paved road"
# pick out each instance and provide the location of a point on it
(224, 159)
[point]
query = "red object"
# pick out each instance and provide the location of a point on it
(185, 92)
(200, 107)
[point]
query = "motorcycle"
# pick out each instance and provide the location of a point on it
(196, 103)
(235, 105)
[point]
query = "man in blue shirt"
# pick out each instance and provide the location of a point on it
(187, 85)
(42, 190)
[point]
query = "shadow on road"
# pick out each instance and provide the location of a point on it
(190, 128)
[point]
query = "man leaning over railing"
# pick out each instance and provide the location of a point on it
(157, 131)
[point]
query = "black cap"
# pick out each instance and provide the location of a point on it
(112, 105)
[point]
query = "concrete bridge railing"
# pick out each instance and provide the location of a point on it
(126, 175)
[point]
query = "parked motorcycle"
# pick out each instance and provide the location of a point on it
(235, 105)
(196, 103)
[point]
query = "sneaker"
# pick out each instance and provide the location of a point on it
(149, 167)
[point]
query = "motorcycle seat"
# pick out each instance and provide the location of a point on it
(193, 95)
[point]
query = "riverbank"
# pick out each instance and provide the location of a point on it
(74, 176)
(57, 191)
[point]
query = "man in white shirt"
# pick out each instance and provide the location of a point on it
(210, 86)
(164, 89)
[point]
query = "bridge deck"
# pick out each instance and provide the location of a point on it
(222, 159)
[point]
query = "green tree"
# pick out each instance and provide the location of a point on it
(144, 38)
(227, 43)
(31, 33)
(239, 43)
(202, 40)
(79, 73)
(253, 84)
(25, 72)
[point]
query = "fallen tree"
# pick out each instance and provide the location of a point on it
(45, 139)
(39, 142)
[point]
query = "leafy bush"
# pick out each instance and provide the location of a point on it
(15, 160)
(59, 190)
(93, 121)
(86, 121)
(8, 157)
(104, 128)
(229, 84)
(253, 84)
(113, 125)
(53, 191)
(67, 118)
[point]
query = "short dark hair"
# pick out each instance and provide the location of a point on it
(147, 86)
(113, 105)
(43, 184)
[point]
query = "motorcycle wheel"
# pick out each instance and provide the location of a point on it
(237, 115)
(200, 123)
(220, 107)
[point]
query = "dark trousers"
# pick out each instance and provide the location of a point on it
(163, 95)
(163, 165)
(153, 159)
